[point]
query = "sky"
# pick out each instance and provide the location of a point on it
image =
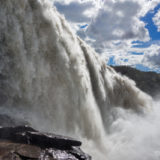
(123, 32)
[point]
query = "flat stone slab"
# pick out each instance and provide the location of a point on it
(28, 135)
(47, 140)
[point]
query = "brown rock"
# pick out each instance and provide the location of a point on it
(25, 143)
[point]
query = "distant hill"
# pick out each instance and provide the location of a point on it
(148, 82)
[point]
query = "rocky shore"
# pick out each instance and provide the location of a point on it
(26, 143)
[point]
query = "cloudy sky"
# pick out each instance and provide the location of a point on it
(123, 32)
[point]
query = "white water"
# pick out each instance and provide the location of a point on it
(51, 78)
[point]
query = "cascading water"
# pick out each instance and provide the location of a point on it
(52, 79)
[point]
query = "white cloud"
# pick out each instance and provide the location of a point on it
(108, 19)
(147, 5)
(125, 55)
(112, 27)
(122, 54)
(118, 20)
(152, 56)
(156, 20)
(74, 11)
(78, 10)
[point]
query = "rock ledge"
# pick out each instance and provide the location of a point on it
(26, 143)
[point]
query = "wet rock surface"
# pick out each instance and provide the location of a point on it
(26, 143)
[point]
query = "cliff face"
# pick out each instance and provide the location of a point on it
(148, 82)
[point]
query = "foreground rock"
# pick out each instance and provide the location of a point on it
(25, 143)
(148, 82)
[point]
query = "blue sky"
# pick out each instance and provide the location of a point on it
(151, 27)
(154, 37)
(123, 32)
(148, 19)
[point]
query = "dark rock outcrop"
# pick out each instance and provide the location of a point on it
(148, 82)
(26, 143)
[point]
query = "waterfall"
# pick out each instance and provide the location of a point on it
(55, 81)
